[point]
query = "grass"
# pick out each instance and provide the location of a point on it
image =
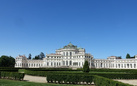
(4, 82)
(21, 70)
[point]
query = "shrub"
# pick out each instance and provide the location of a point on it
(118, 76)
(102, 81)
(86, 67)
(69, 78)
(12, 75)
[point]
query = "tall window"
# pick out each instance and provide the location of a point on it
(70, 62)
(66, 53)
(67, 63)
(51, 63)
(70, 53)
(47, 63)
(63, 63)
(134, 65)
(101, 65)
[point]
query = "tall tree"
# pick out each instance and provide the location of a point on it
(7, 61)
(29, 56)
(127, 56)
(42, 55)
(86, 67)
(37, 57)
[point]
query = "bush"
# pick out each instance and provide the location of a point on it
(9, 69)
(119, 76)
(49, 69)
(102, 81)
(70, 78)
(115, 70)
(12, 75)
(35, 73)
(86, 67)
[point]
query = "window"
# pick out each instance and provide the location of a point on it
(63, 63)
(51, 63)
(66, 53)
(134, 65)
(47, 63)
(66, 62)
(70, 53)
(70, 62)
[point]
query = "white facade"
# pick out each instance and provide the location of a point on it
(72, 57)
(67, 57)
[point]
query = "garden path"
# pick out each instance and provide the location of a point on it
(39, 79)
(130, 81)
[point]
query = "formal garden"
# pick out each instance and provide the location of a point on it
(66, 76)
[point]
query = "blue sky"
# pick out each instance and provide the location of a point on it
(103, 27)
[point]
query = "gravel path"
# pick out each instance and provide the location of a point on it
(39, 79)
(131, 81)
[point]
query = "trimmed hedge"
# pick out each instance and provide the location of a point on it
(118, 76)
(107, 75)
(71, 79)
(12, 75)
(35, 73)
(50, 69)
(9, 69)
(102, 81)
(83, 79)
(115, 70)
(45, 73)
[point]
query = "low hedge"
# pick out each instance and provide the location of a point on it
(35, 73)
(71, 79)
(115, 70)
(107, 75)
(118, 76)
(112, 70)
(45, 73)
(102, 81)
(8, 69)
(12, 75)
(83, 79)
(50, 69)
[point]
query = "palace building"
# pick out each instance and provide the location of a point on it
(70, 56)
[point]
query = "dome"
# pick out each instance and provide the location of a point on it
(70, 46)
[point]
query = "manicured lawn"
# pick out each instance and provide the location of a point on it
(106, 72)
(21, 70)
(4, 82)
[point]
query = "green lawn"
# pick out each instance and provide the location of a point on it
(4, 82)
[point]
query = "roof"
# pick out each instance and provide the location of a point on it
(70, 46)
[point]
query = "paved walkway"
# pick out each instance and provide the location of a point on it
(39, 79)
(131, 81)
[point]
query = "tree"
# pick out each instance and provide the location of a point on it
(42, 55)
(37, 57)
(7, 61)
(86, 67)
(127, 56)
(29, 56)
